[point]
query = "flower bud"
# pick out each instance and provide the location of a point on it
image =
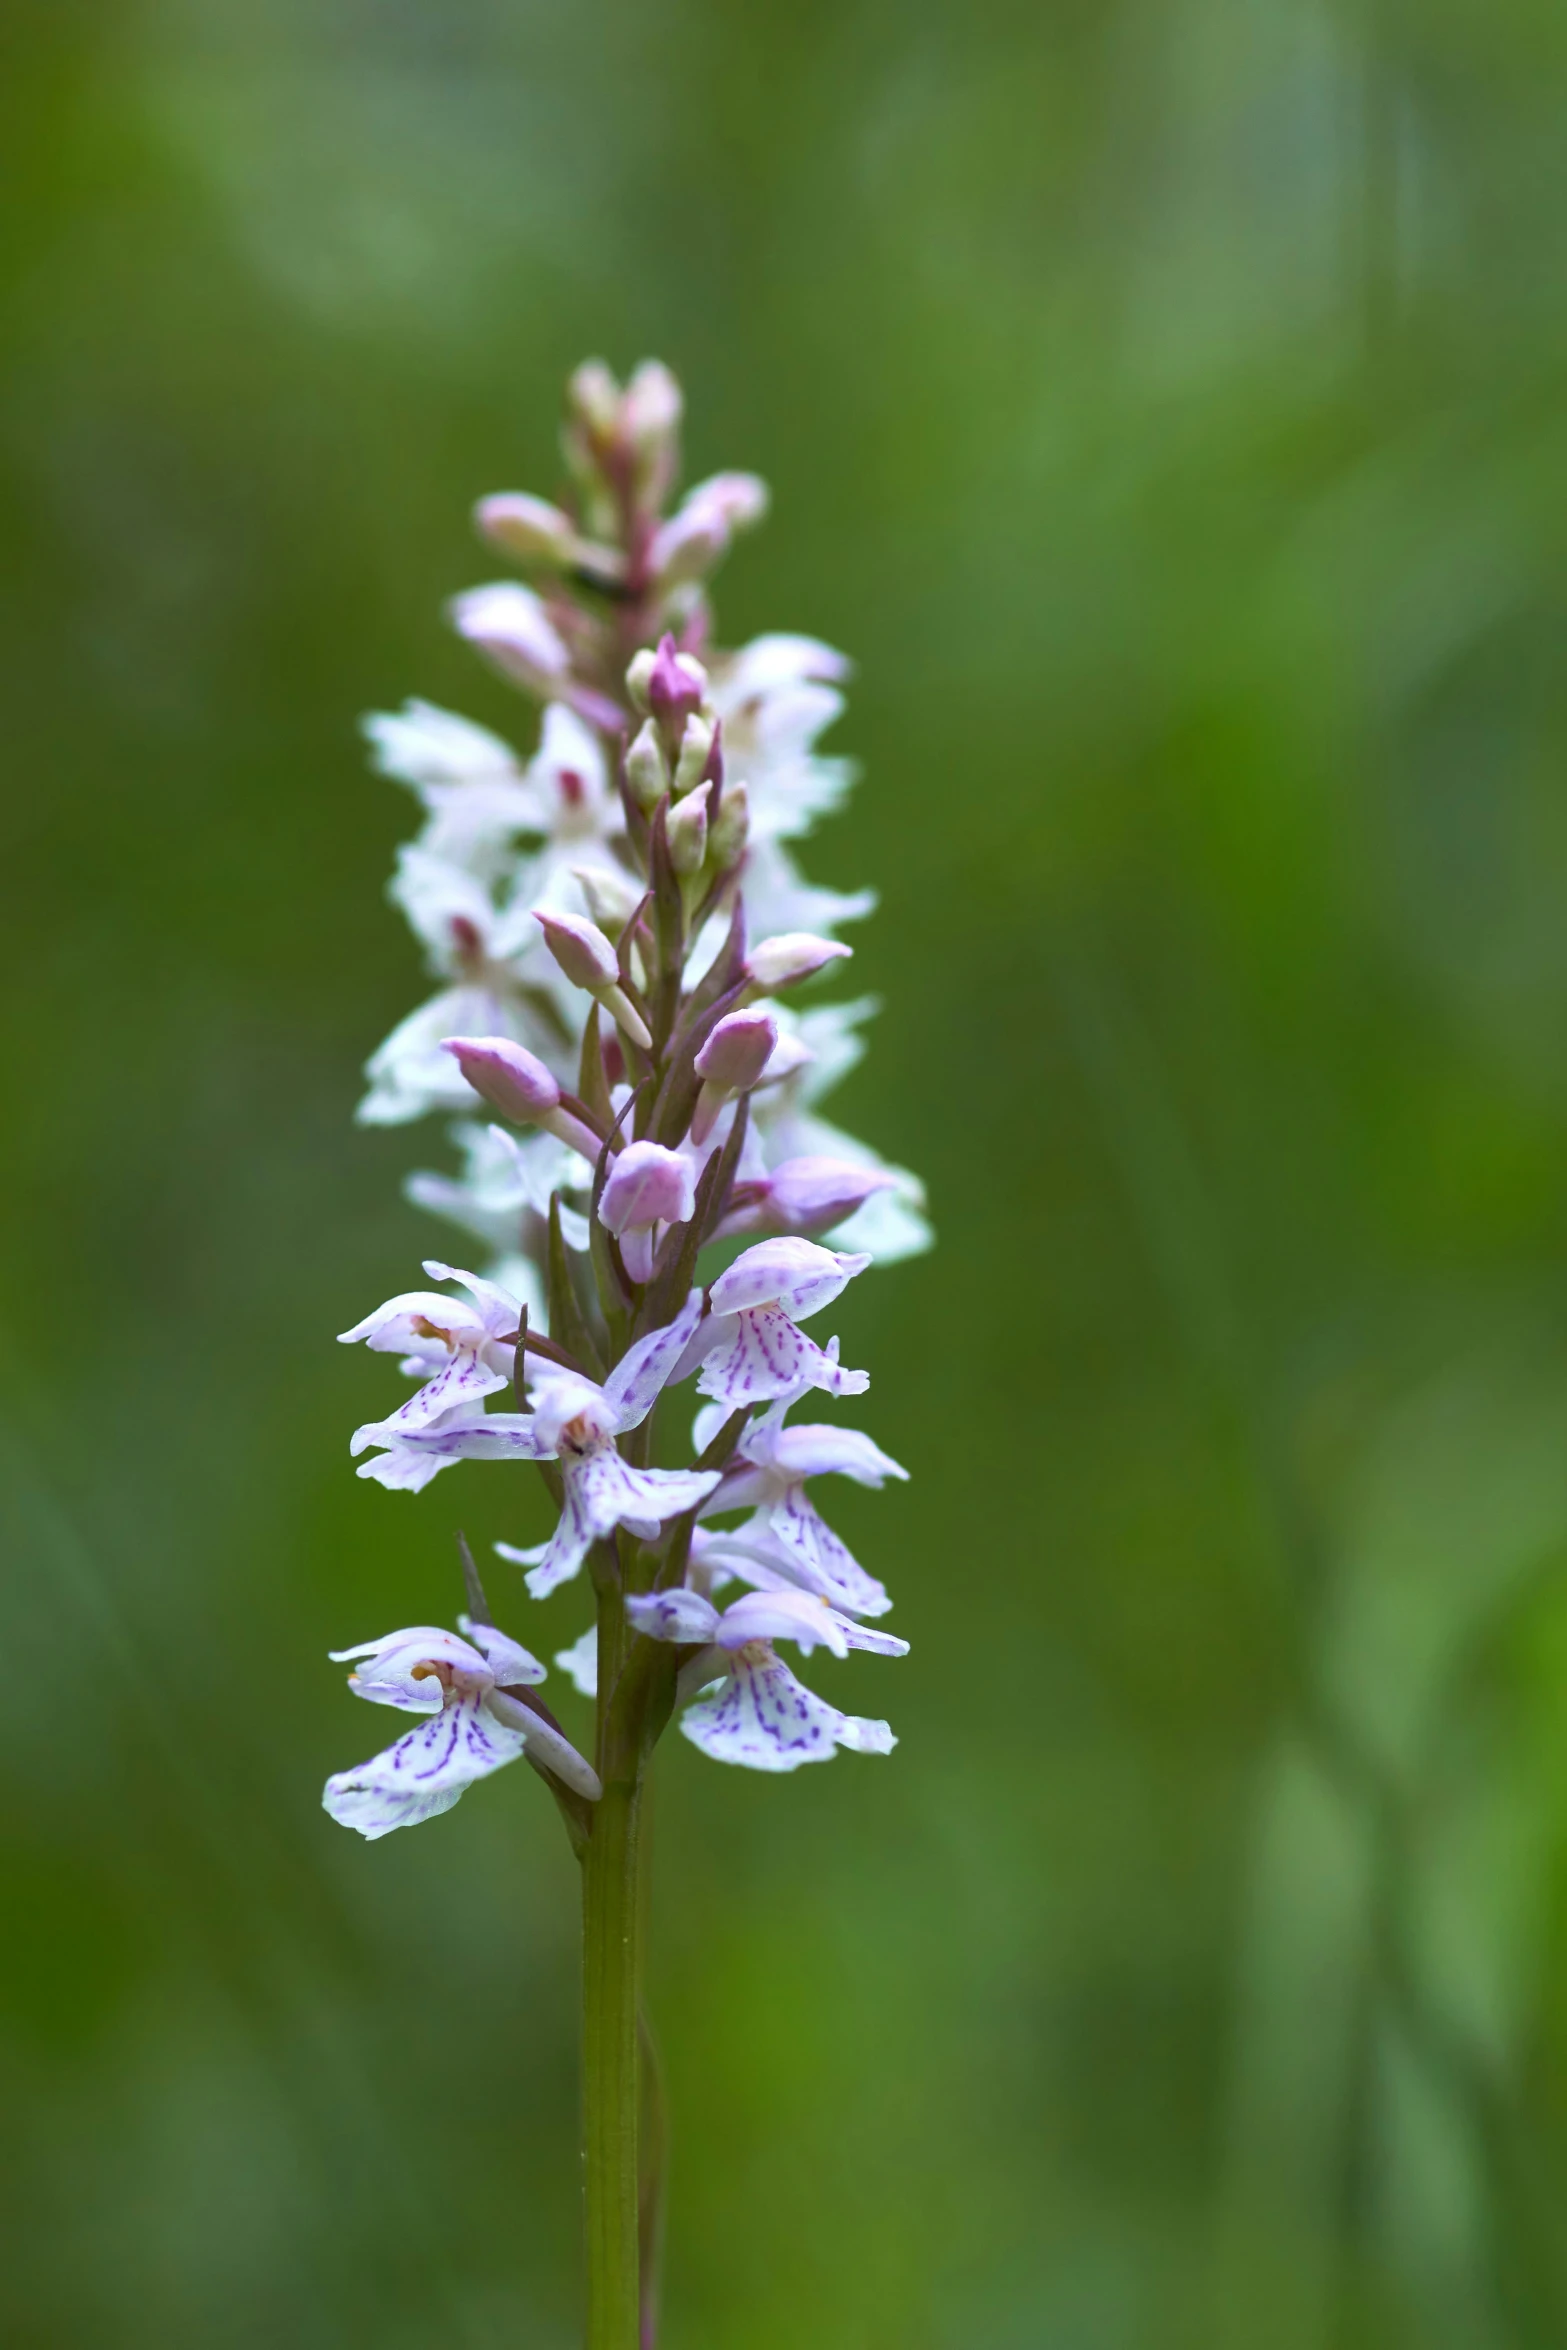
(516, 1083)
(612, 897)
(730, 1062)
(650, 412)
(593, 399)
(508, 622)
(637, 677)
(689, 545)
(581, 950)
(730, 829)
(676, 687)
(794, 955)
(737, 1050)
(588, 960)
(688, 831)
(813, 1194)
(647, 769)
(696, 748)
(647, 1185)
(529, 528)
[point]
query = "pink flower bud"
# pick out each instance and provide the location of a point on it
(738, 1050)
(529, 528)
(813, 1194)
(647, 769)
(779, 962)
(511, 1079)
(647, 1185)
(730, 1062)
(676, 686)
(581, 950)
(509, 624)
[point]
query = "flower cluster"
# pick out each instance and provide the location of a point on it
(618, 934)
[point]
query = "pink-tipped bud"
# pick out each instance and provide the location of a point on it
(738, 1050)
(730, 1062)
(508, 622)
(528, 528)
(650, 419)
(811, 1195)
(511, 1079)
(647, 1185)
(593, 399)
(688, 831)
(676, 687)
(516, 1083)
(794, 955)
(698, 537)
(581, 950)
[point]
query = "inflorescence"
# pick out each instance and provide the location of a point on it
(618, 932)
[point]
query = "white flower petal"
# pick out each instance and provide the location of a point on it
(580, 1662)
(766, 1720)
(424, 1773)
(646, 1368)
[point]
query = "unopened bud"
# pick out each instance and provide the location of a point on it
(696, 747)
(517, 1084)
(588, 960)
(612, 897)
(688, 831)
(529, 528)
(581, 949)
(811, 1195)
(730, 829)
(676, 687)
(647, 1185)
(650, 414)
(508, 622)
(697, 538)
(737, 1050)
(647, 769)
(593, 397)
(638, 676)
(730, 1062)
(794, 955)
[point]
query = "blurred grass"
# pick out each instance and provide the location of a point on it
(1165, 406)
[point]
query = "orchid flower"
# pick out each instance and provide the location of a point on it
(753, 1347)
(461, 1351)
(471, 1726)
(760, 1715)
(786, 1540)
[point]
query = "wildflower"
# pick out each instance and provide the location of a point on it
(648, 1189)
(786, 1538)
(472, 1725)
(751, 1346)
(457, 1349)
(759, 1714)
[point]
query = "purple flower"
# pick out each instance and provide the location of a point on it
(759, 1715)
(471, 1726)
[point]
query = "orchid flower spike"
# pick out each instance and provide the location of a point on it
(471, 1726)
(751, 1348)
(759, 1715)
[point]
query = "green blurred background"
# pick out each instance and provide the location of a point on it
(1165, 405)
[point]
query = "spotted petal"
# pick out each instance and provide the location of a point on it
(766, 1720)
(425, 1772)
(761, 1354)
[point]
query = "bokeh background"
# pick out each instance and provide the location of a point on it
(1167, 406)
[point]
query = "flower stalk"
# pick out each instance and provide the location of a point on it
(618, 935)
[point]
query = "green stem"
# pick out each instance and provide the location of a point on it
(612, 1968)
